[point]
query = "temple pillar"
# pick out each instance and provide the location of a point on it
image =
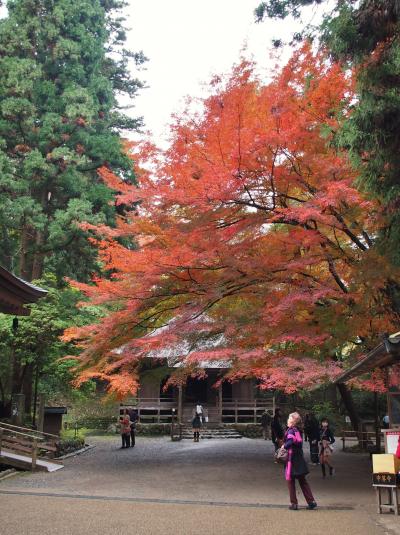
(180, 403)
(220, 403)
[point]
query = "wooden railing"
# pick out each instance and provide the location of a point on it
(152, 410)
(245, 411)
(28, 442)
(362, 438)
(231, 410)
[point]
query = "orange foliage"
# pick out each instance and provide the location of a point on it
(255, 246)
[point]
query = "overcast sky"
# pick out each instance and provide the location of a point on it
(187, 41)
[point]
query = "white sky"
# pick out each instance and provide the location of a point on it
(187, 41)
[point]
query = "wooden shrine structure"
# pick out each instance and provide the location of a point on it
(228, 403)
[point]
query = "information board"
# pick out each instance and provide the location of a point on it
(391, 440)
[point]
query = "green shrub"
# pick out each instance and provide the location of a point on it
(249, 430)
(69, 445)
(153, 429)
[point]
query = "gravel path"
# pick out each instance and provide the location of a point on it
(221, 470)
(237, 473)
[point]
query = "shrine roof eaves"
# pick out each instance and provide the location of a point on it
(383, 355)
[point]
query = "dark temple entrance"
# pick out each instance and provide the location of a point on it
(196, 390)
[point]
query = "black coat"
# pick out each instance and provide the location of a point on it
(276, 428)
(196, 422)
(311, 429)
(296, 465)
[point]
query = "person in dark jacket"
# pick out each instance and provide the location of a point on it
(296, 466)
(277, 429)
(311, 429)
(326, 439)
(266, 424)
(134, 417)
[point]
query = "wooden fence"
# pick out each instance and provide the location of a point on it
(363, 439)
(162, 410)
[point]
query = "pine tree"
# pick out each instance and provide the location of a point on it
(62, 66)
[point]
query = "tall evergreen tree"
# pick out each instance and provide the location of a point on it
(62, 66)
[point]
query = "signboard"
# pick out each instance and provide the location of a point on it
(391, 440)
(385, 479)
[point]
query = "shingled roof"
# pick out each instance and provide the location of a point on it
(15, 293)
(383, 355)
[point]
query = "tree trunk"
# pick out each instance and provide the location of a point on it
(27, 387)
(348, 403)
(37, 266)
(24, 268)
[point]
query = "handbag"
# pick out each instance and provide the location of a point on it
(282, 455)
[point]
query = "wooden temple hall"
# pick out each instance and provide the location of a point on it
(230, 403)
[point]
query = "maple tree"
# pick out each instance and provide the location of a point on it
(253, 245)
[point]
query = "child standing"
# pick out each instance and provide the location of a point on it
(325, 453)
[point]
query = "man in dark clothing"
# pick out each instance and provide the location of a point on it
(277, 429)
(311, 429)
(133, 415)
(266, 424)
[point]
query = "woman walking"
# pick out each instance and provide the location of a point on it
(326, 449)
(296, 466)
(196, 423)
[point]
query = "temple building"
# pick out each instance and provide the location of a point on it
(228, 403)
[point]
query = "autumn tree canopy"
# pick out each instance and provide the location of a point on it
(253, 244)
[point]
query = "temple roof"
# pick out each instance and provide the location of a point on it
(383, 355)
(15, 293)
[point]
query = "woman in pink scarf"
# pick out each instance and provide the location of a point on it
(296, 466)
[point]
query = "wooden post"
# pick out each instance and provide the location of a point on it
(1, 438)
(172, 424)
(180, 400)
(220, 403)
(34, 454)
(273, 405)
(255, 411)
(377, 424)
(236, 411)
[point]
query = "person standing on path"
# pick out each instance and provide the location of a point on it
(266, 424)
(325, 453)
(277, 429)
(196, 423)
(311, 429)
(134, 418)
(296, 466)
(125, 429)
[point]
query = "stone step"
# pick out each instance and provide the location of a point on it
(211, 432)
